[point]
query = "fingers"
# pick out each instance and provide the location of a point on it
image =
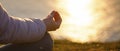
(53, 21)
(57, 17)
(51, 15)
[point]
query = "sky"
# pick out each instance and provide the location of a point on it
(105, 26)
(28, 8)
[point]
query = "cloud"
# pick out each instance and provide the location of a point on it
(110, 11)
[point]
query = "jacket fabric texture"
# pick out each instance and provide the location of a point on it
(20, 30)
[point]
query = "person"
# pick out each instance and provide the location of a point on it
(27, 34)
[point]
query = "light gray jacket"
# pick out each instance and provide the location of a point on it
(19, 30)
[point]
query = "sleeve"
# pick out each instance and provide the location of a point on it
(20, 30)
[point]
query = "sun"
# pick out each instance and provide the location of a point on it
(78, 11)
(78, 20)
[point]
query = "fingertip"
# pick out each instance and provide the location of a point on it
(56, 16)
(54, 11)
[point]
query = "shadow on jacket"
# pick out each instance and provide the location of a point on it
(45, 44)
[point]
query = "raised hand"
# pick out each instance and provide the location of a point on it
(53, 21)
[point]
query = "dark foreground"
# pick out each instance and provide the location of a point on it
(64, 45)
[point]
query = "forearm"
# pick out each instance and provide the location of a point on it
(20, 30)
(4, 19)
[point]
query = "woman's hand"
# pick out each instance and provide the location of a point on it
(53, 21)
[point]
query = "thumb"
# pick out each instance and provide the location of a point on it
(57, 17)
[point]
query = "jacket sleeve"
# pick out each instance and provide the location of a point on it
(20, 30)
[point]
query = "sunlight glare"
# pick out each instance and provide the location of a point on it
(78, 11)
(77, 23)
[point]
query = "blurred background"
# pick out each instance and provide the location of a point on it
(83, 20)
(28, 8)
(88, 25)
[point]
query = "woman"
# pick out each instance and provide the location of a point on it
(27, 34)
